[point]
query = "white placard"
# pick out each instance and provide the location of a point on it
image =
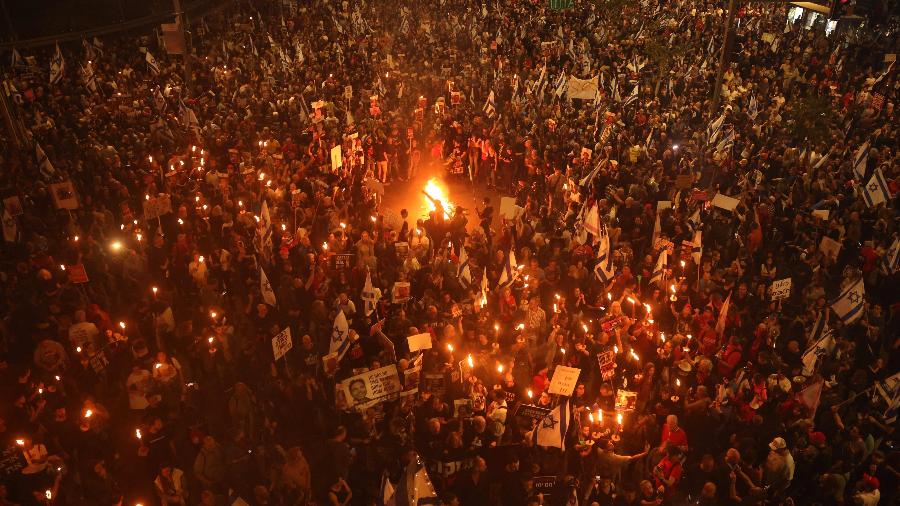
(282, 343)
(337, 158)
(829, 247)
(508, 208)
(725, 202)
(372, 387)
(663, 204)
(564, 380)
(781, 289)
(821, 213)
(419, 342)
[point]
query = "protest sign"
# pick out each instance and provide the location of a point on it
(77, 274)
(462, 408)
(508, 208)
(282, 343)
(625, 400)
(829, 247)
(725, 202)
(401, 292)
(371, 387)
(436, 384)
(532, 411)
(781, 289)
(419, 342)
(564, 379)
(64, 195)
(337, 158)
(583, 89)
(544, 484)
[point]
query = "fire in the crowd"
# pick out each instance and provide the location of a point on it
(437, 191)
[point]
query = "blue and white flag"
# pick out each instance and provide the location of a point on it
(714, 128)
(659, 271)
(265, 288)
(860, 160)
(819, 327)
(819, 348)
(510, 271)
(57, 66)
(151, 63)
(632, 97)
(891, 260)
(727, 141)
(604, 269)
(340, 336)
(47, 170)
(694, 221)
(849, 306)
(753, 109)
(552, 429)
(490, 107)
(697, 247)
(463, 273)
(876, 190)
(592, 221)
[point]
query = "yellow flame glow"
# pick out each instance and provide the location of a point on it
(438, 191)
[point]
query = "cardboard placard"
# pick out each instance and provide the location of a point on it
(400, 292)
(508, 208)
(371, 387)
(625, 400)
(77, 274)
(725, 202)
(436, 384)
(419, 342)
(781, 289)
(564, 380)
(282, 343)
(64, 196)
(337, 158)
(821, 214)
(829, 247)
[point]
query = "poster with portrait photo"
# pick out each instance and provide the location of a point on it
(371, 387)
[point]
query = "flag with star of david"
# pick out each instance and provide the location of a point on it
(849, 306)
(552, 429)
(876, 190)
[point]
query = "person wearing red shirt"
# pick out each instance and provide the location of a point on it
(673, 435)
(667, 474)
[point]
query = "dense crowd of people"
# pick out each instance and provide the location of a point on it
(659, 300)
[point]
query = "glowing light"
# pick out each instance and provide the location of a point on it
(450, 347)
(20, 442)
(62, 267)
(677, 382)
(562, 350)
(48, 494)
(437, 191)
(88, 413)
(591, 417)
(155, 290)
(599, 416)
(585, 327)
(470, 361)
(530, 394)
(325, 246)
(619, 418)
(122, 325)
(158, 365)
(213, 314)
(634, 355)
(201, 259)
(500, 368)
(116, 246)
(210, 340)
(78, 349)
(137, 432)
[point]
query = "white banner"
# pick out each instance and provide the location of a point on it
(584, 89)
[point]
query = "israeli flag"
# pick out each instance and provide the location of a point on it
(891, 260)
(876, 190)
(462, 271)
(510, 271)
(340, 336)
(860, 160)
(849, 306)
